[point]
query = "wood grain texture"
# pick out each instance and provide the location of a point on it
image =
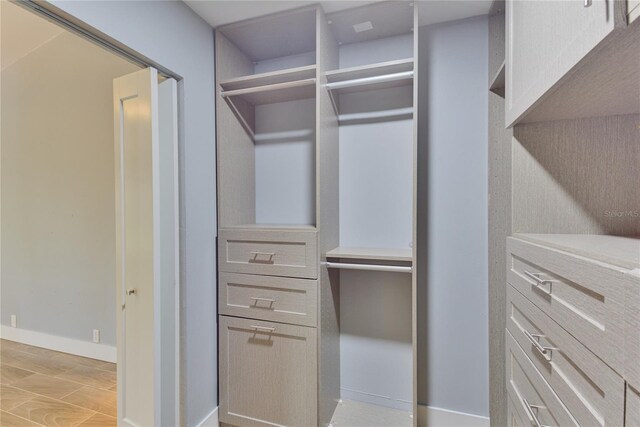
(632, 415)
(586, 297)
(513, 417)
(591, 391)
(52, 413)
(577, 176)
(235, 149)
(632, 329)
(414, 216)
(633, 11)
(10, 397)
(95, 399)
(9, 374)
(277, 299)
(10, 420)
(376, 254)
(267, 376)
(499, 205)
(47, 386)
(90, 376)
(327, 215)
(524, 382)
(99, 420)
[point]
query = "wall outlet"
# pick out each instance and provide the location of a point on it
(96, 336)
(14, 321)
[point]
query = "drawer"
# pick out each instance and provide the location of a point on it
(279, 299)
(267, 373)
(632, 414)
(513, 417)
(633, 10)
(591, 391)
(288, 253)
(533, 398)
(584, 296)
(632, 329)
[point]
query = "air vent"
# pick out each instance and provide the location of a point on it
(363, 26)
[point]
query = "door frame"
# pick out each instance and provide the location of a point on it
(80, 28)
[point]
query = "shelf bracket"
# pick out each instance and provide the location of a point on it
(240, 117)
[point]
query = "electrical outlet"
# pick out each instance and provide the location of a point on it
(14, 321)
(96, 336)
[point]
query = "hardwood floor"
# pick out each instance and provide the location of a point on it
(40, 387)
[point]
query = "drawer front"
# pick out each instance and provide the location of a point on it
(591, 391)
(267, 373)
(513, 417)
(585, 297)
(633, 407)
(284, 253)
(632, 328)
(533, 398)
(633, 9)
(278, 299)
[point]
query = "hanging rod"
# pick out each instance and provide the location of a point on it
(405, 75)
(267, 88)
(370, 267)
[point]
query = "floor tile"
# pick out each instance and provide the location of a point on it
(11, 397)
(95, 399)
(90, 376)
(106, 366)
(52, 387)
(100, 420)
(78, 360)
(52, 413)
(39, 363)
(9, 374)
(10, 420)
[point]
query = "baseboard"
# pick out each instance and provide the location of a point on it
(210, 420)
(104, 352)
(375, 399)
(429, 416)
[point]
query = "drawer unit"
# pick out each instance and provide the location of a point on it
(585, 296)
(513, 417)
(632, 416)
(278, 299)
(267, 373)
(591, 391)
(633, 10)
(273, 252)
(533, 398)
(632, 328)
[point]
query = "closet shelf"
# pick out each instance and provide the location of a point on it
(274, 226)
(270, 78)
(276, 92)
(369, 77)
(616, 250)
(374, 254)
(498, 83)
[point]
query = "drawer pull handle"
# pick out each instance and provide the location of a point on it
(268, 255)
(535, 340)
(539, 281)
(587, 3)
(256, 253)
(270, 300)
(533, 414)
(263, 328)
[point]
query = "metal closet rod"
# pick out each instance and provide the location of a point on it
(370, 267)
(406, 75)
(268, 88)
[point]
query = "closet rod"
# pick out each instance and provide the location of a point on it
(371, 267)
(406, 75)
(267, 88)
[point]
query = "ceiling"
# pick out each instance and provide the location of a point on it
(221, 12)
(16, 42)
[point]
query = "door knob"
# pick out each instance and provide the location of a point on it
(131, 292)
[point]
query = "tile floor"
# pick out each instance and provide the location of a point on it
(40, 387)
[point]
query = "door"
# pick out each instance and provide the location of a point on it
(145, 129)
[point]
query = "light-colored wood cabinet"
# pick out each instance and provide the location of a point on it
(513, 417)
(267, 373)
(278, 299)
(632, 414)
(633, 10)
(546, 39)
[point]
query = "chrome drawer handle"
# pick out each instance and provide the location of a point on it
(535, 340)
(271, 300)
(263, 328)
(587, 3)
(257, 253)
(539, 281)
(530, 409)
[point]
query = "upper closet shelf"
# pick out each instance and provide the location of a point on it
(373, 259)
(277, 86)
(369, 77)
(498, 83)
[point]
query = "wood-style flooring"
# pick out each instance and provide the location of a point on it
(40, 387)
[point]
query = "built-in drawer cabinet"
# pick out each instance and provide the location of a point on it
(632, 328)
(513, 417)
(272, 252)
(584, 296)
(632, 416)
(533, 398)
(278, 299)
(592, 392)
(633, 10)
(267, 373)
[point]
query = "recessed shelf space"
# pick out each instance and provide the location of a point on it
(498, 82)
(370, 77)
(372, 259)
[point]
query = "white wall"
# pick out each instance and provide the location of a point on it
(58, 224)
(172, 35)
(453, 317)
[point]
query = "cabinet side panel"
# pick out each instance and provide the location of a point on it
(328, 226)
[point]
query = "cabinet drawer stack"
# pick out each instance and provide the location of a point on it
(569, 331)
(267, 301)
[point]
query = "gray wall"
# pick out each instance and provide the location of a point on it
(172, 35)
(58, 202)
(453, 317)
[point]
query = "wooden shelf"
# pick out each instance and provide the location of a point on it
(271, 78)
(376, 254)
(498, 82)
(274, 226)
(369, 77)
(273, 93)
(616, 250)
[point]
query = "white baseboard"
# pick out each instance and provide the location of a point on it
(375, 399)
(210, 420)
(104, 352)
(429, 416)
